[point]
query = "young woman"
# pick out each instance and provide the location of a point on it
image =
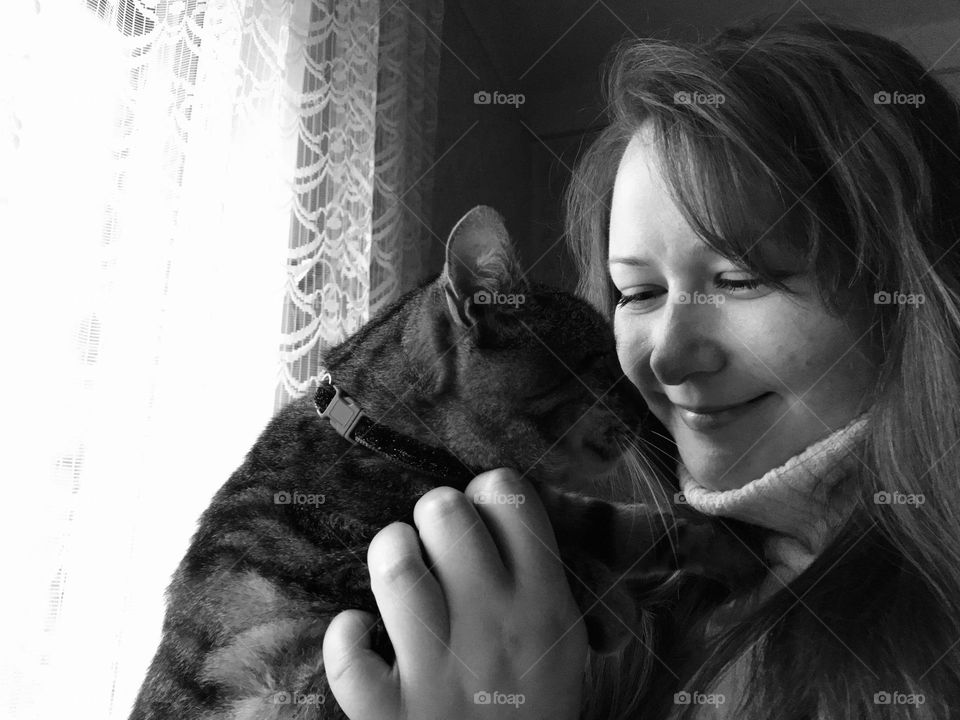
(772, 221)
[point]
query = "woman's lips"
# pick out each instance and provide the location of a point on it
(708, 421)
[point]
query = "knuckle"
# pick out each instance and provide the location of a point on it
(396, 542)
(503, 480)
(340, 669)
(439, 503)
(398, 569)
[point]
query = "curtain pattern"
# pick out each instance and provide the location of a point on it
(175, 175)
(358, 236)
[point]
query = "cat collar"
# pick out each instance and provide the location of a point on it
(348, 419)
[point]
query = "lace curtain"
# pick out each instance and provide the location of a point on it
(358, 237)
(177, 179)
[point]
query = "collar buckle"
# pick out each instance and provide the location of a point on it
(343, 414)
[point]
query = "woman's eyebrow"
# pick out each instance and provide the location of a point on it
(700, 252)
(635, 261)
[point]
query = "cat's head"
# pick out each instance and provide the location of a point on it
(522, 375)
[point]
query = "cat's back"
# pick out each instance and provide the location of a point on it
(285, 536)
(302, 489)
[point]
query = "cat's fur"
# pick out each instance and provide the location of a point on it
(534, 385)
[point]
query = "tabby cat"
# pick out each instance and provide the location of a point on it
(472, 371)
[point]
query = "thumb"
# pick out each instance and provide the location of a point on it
(361, 681)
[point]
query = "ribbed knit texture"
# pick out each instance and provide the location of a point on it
(804, 502)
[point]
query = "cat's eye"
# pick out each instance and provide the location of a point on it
(555, 390)
(548, 393)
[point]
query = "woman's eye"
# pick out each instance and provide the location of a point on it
(722, 283)
(748, 284)
(639, 297)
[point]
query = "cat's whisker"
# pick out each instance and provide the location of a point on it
(641, 476)
(654, 448)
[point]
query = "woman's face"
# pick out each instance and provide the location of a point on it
(789, 372)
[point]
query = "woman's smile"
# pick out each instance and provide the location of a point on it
(709, 418)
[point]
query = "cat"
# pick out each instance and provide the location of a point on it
(477, 369)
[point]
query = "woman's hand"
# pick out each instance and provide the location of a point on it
(483, 623)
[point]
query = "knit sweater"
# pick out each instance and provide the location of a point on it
(804, 502)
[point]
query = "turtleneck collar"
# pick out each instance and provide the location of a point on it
(803, 501)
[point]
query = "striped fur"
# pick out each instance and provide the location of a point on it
(535, 386)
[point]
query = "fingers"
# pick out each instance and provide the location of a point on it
(360, 680)
(410, 600)
(515, 517)
(462, 555)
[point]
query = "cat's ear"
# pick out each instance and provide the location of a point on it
(481, 263)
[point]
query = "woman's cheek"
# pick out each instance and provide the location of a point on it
(771, 331)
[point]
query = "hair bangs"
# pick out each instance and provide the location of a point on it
(733, 203)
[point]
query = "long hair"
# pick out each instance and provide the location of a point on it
(842, 145)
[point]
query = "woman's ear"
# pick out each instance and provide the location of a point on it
(481, 263)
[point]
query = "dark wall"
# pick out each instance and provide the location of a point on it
(518, 159)
(489, 155)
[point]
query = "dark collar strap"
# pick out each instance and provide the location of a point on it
(349, 420)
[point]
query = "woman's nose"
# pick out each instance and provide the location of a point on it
(684, 341)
